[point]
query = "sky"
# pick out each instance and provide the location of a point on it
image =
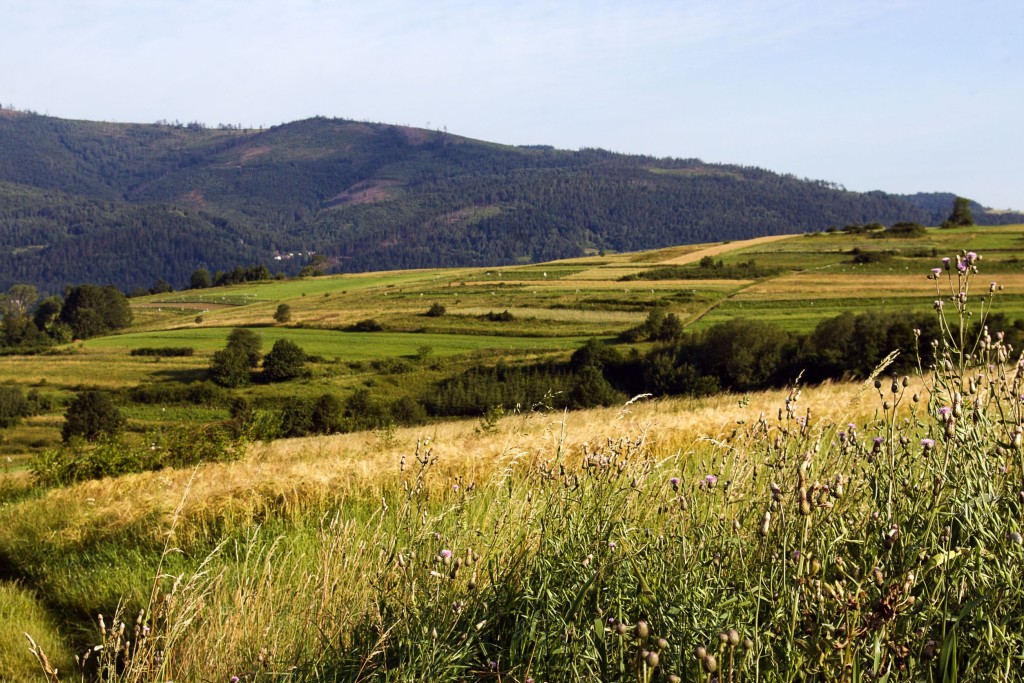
(895, 95)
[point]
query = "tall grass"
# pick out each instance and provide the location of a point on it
(790, 547)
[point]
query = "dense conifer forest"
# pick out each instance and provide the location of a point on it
(128, 204)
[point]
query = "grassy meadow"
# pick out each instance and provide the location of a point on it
(840, 532)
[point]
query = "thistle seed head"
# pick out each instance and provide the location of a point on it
(642, 629)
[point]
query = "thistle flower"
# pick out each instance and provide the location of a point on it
(928, 444)
(651, 659)
(938, 304)
(710, 480)
(674, 481)
(945, 263)
(971, 257)
(445, 555)
(935, 272)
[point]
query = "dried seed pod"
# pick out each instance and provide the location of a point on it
(710, 664)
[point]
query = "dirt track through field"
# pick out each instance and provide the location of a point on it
(696, 256)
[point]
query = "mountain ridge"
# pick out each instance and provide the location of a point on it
(79, 200)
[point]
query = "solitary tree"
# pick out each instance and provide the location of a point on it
(283, 313)
(961, 215)
(91, 415)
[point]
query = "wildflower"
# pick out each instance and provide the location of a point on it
(971, 257)
(928, 444)
(233, 679)
(945, 411)
(611, 545)
(938, 304)
(992, 287)
(961, 266)
(935, 272)
(445, 555)
(674, 481)
(945, 263)
(710, 480)
(492, 665)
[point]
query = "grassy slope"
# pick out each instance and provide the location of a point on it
(86, 547)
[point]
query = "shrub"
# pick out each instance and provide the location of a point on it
(284, 362)
(13, 406)
(229, 367)
(367, 325)
(436, 310)
(164, 352)
(92, 414)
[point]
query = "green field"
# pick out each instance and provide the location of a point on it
(845, 530)
(332, 344)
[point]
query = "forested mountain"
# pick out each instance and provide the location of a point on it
(129, 203)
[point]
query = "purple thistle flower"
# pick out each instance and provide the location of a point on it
(233, 679)
(961, 266)
(879, 440)
(710, 480)
(446, 553)
(945, 263)
(945, 411)
(971, 257)
(927, 443)
(674, 481)
(936, 271)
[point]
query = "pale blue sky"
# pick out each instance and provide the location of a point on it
(897, 95)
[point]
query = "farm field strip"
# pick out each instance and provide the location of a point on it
(334, 344)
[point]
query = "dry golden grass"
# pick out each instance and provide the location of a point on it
(717, 249)
(291, 476)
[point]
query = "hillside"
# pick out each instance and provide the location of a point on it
(79, 200)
